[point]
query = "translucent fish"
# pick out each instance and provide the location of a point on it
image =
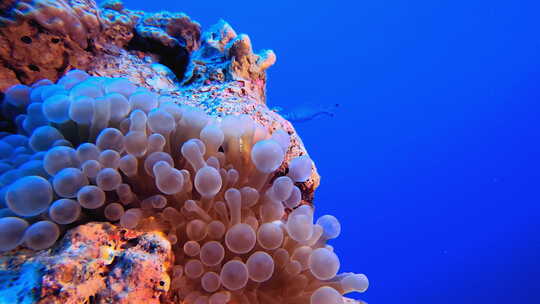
(304, 113)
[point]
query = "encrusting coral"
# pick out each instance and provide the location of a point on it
(103, 149)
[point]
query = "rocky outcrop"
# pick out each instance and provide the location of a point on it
(214, 70)
(94, 263)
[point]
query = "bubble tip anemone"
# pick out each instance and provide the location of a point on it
(211, 192)
(107, 150)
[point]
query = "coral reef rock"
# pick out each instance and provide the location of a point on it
(139, 163)
(94, 263)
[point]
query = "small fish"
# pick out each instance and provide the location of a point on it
(305, 113)
(277, 109)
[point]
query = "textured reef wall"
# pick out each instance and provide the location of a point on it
(139, 163)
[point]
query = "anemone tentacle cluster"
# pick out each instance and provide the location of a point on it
(102, 149)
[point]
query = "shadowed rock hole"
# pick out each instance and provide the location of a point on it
(92, 299)
(131, 243)
(110, 267)
(151, 247)
(175, 58)
(90, 48)
(26, 39)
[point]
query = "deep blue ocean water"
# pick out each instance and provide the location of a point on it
(432, 159)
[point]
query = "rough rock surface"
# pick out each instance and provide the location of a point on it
(94, 263)
(215, 70)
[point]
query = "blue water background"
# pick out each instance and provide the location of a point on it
(432, 160)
